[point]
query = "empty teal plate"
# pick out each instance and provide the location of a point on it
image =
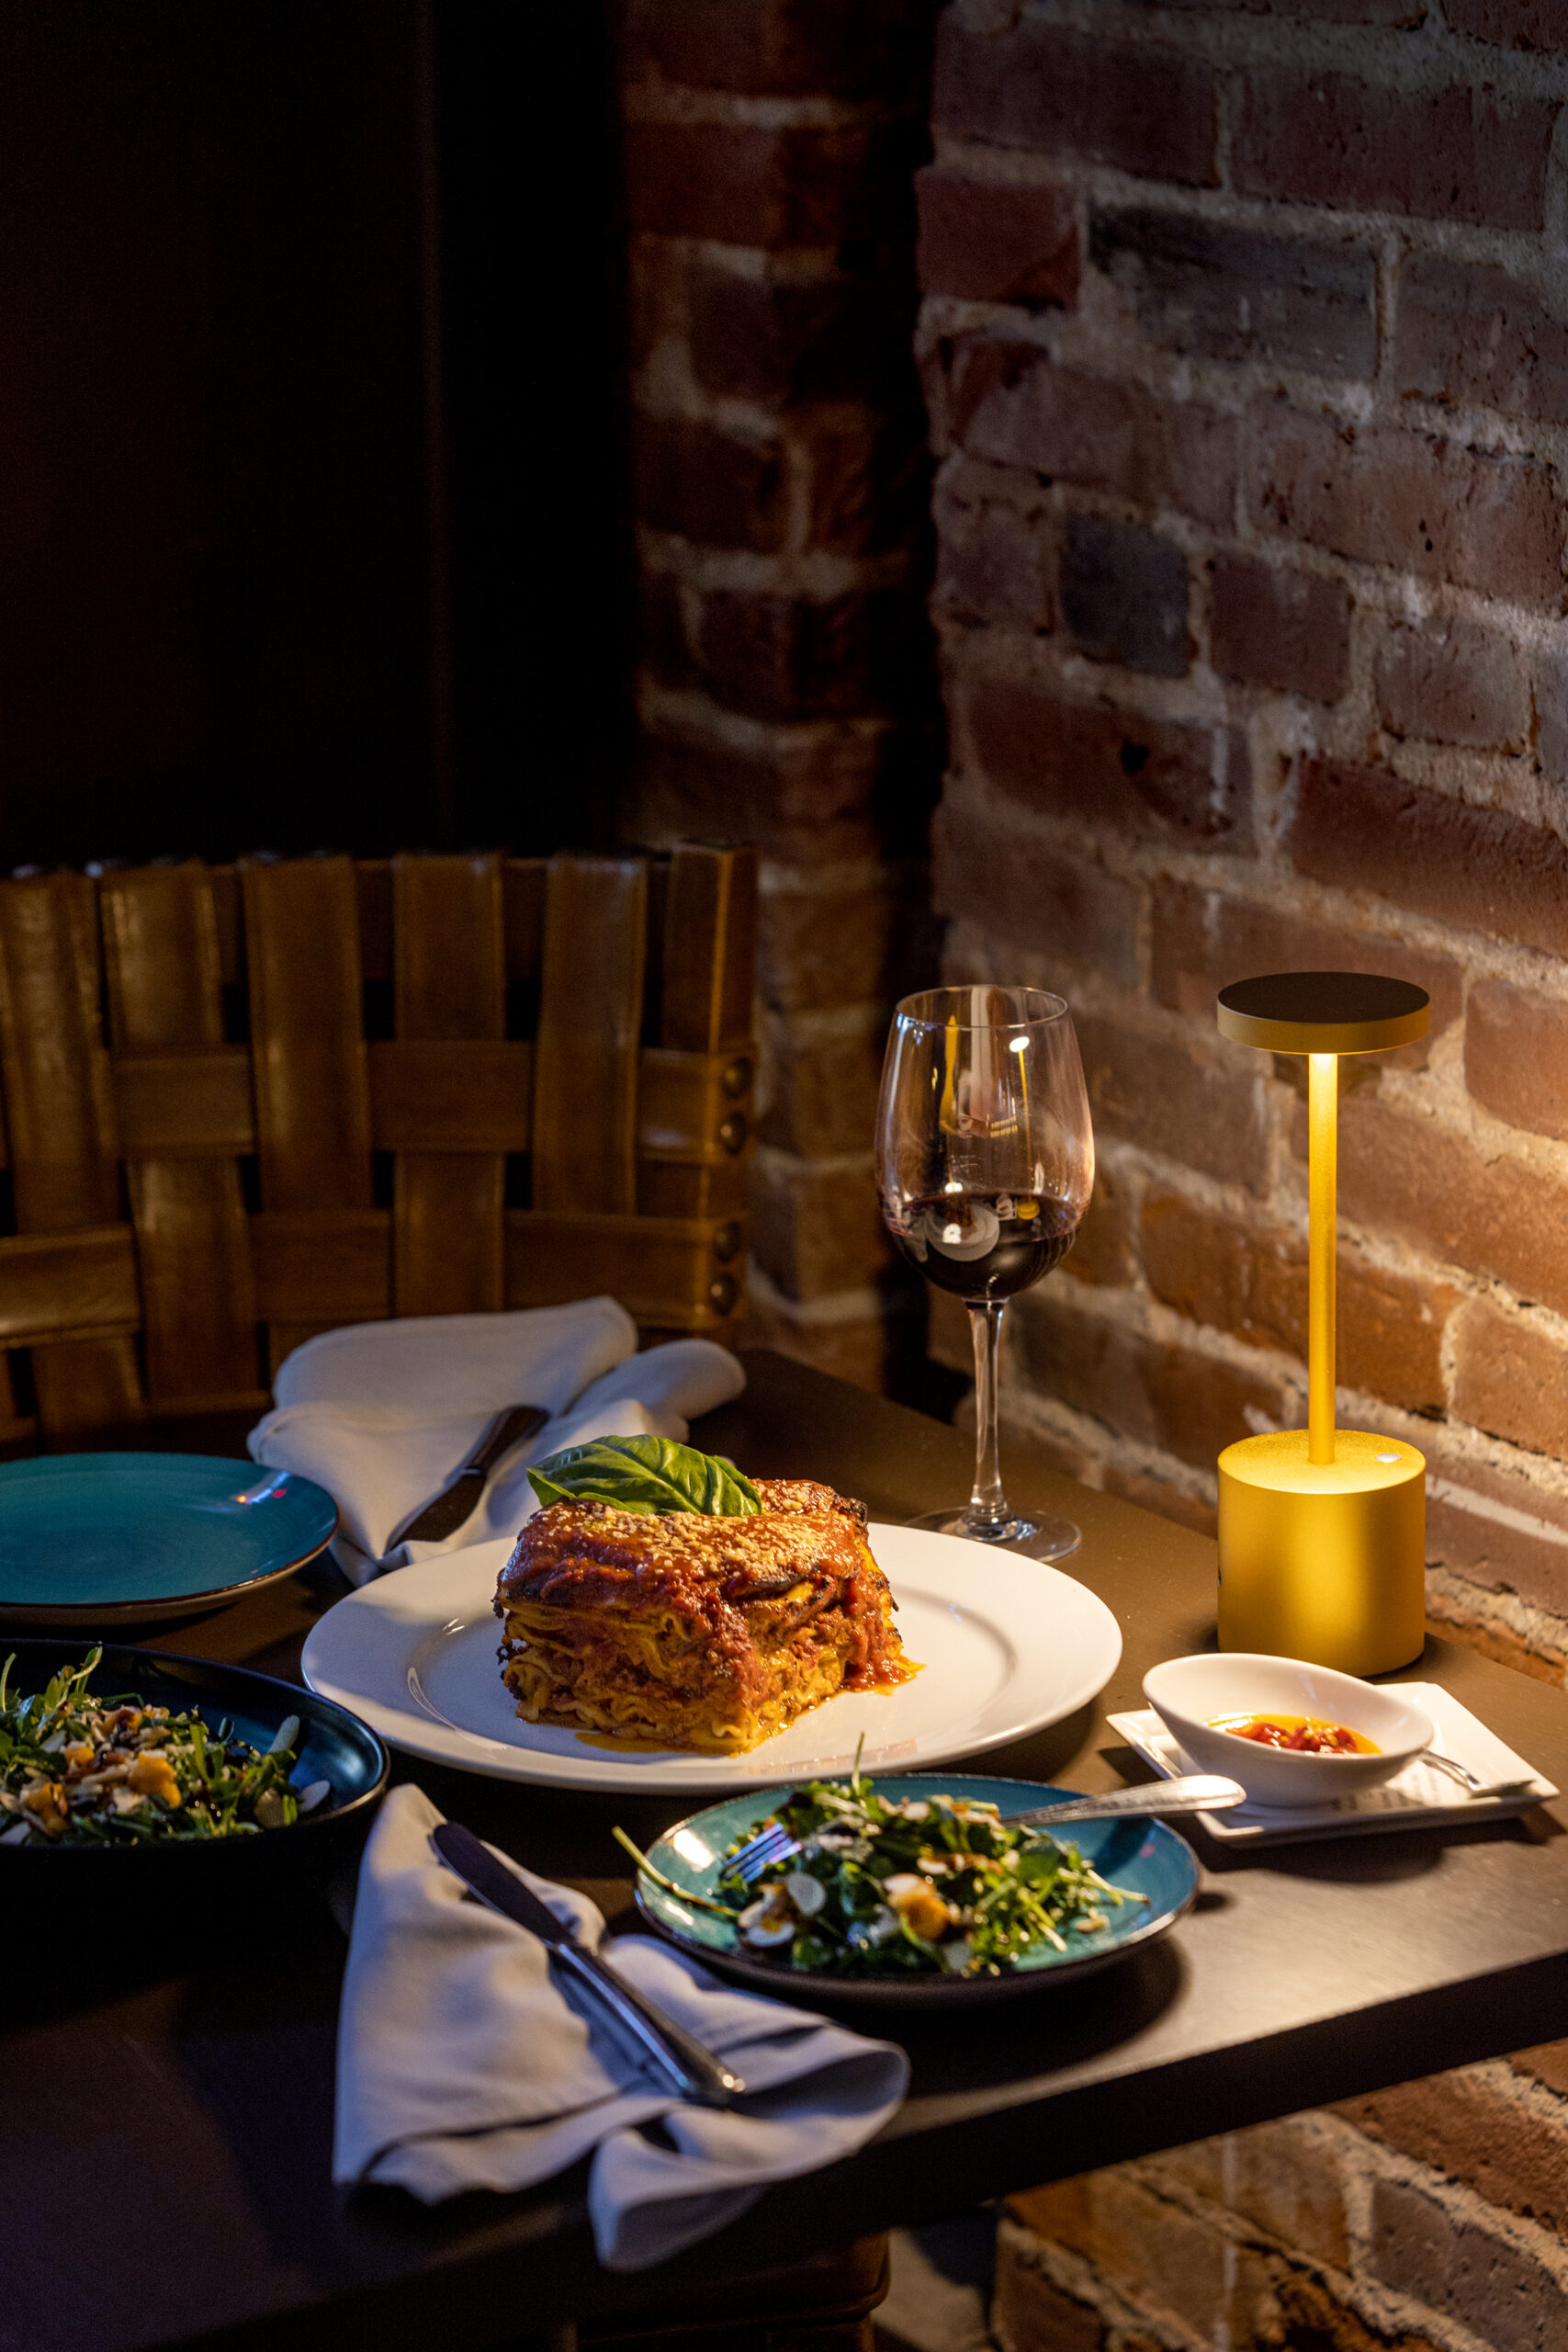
(89, 1539)
(1141, 1856)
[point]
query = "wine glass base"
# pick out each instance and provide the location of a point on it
(1041, 1538)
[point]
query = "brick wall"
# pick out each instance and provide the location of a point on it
(1244, 338)
(789, 689)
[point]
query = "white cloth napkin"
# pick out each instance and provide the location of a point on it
(462, 2065)
(381, 1414)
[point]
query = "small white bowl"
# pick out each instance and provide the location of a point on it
(1187, 1693)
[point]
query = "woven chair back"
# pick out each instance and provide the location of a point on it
(246, 1103)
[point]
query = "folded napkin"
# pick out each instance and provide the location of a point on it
(462, 2064)
(381, 1414)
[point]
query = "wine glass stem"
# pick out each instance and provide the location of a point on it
(988, 1503)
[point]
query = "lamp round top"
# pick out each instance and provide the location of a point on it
(1324, 1012)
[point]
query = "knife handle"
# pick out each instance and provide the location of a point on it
(695, 2072)
(1193, 1792)
(511, 1424)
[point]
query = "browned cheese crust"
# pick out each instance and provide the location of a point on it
(698, 1633)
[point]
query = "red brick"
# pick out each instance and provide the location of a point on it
(1190, 1104)
(822, 946)
(1124, 594)
(1469, 332)
(816, 1230)
(744, 185)
(1170, 2264)
(997, 873)
(825, 1083)
(1546, 2062)
(1515, 1055)
(1282, 628)
(1103, 1247)
(1009, 404)
(1192, 1406)
(1104, 766)
(1453, 155)
(1404, 499)
(783, 47)
(663, 631)
(1497, 1526)
(1255, 1286)
(1511, 24)
(784, 657)
(1161, 1496)
(1466, 2272)
(994, 242)
(1033, 84)
(1407, 1177)
(1201, 942)
(1552, 713)
(1510, 1380)
(996, 550)
(1487, 1638)
(1030, 2309)
(705, 486)
(1449, 682)
(806, 796)
(781, 340)
(1238, 294)
(1481, 868)
(869, 479)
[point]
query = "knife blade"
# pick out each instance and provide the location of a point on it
(459, 1501)
(655, 2041)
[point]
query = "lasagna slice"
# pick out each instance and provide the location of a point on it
(697, 1633)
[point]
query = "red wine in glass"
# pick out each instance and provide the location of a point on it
(984, 1166)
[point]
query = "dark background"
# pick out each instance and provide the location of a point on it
(313, 521)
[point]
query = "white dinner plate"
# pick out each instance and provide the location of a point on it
(1007, 1645)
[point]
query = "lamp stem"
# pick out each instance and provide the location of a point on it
(1323, 1112)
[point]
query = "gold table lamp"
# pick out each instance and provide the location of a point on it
(1323, 1530)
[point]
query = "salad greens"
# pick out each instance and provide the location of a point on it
(887, 1887)
(86, 1770)
(645, 1473)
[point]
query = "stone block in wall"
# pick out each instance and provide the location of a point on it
(1481, 869)
(1003, 876)
(1279, 628)
(995, 545)
(825, 1075)
(1471, 331)
(1096, 764)
(1515, 1055)
(1408, 501)
(989, 240)
(1479, 2126)
(1199, 942)
(804, 794)
(1191, 1099)
(1012, 404)
(1033, 84)
(1452, 681)
(1464, 2271)
(1254, 1285)
(1172, 2265)
(1124, 594)
(1240, 294)
(1455, 153)
(829, 938)
(1103, 1252)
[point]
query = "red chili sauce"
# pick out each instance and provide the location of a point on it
(1308, 1734)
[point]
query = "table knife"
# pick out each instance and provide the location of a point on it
(459, 1501)
(678, 2060)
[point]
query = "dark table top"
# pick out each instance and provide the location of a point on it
(166, 2121)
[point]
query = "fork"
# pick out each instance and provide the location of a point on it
(1192, 1793)
(1473, 1781)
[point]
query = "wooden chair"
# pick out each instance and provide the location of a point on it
(246, 1103)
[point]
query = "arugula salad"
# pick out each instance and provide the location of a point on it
(884, 1886)
(81, 1771)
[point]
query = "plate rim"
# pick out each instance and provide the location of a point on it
(919, 1992)
(67, 1615)
(601, 1774)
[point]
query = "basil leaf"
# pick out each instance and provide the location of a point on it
(645, 1473)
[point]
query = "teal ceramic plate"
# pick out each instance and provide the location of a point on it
(1143, 1856)
(92, 1539)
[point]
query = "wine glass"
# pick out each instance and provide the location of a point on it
(984, 1166)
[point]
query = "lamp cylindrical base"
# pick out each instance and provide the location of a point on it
(1323, 1561)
